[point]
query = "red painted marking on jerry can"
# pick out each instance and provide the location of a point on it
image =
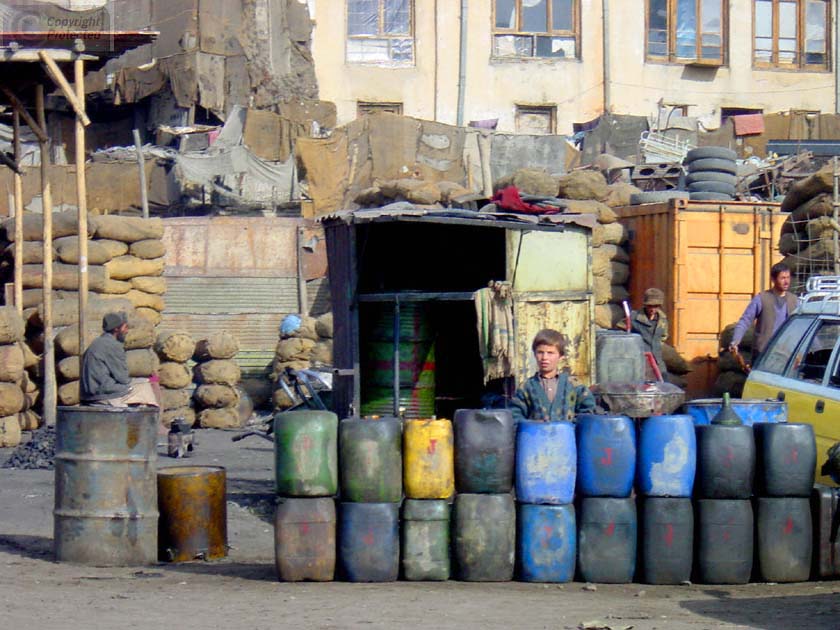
(789, 526)
(368, 538)
(432, 447)
(607, 459)
(669, 535)
(793, 457)
(611, 529)
(303, 528)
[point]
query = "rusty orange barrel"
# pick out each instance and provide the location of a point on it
(105, 491)
(193, 513)
(428, 459)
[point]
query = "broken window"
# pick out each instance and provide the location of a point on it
(536, 28)
(380, 31)
(791, 33)
(538, 120)
(687, 31)
(363, 108)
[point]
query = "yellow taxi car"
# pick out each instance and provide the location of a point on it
(801, 365)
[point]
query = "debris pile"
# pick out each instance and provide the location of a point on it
(174, 349)
(305, 342)
(13, 399)
(37, 453)
(217, 377)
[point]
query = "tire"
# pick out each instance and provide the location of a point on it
(657, 196)
(711, 176)
(712, 187)
(712, 164)
(709, 196)
(718, 153)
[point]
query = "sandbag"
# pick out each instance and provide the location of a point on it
(674, 361)
(12, 327)
(227, 418)
(608, 315)
(322, 353)
(611, 252)
(530, 181)
(65, 277)
(801, 191)
(609, 233)
(821, 229)
(11, 399)
(174, 398)
(620, 194)
(11, 363)
(602, 212)
(583, 185)
(114, 248)
(307, 329)
(281, 400)
(127, 267)
(324, 326)
(140, 334)
(116, 287)
(746, 343)
(149, 248)
(607, 293)
(10, 431)
(175, 346)
(140, 299)
(67, 339)
(141, 363)
(127, 229)
(149, 284)
(68, 369)
(150, 315)
(30, 359)
(29, 420)
(218, 371)
(63, 224)
(66, 312)
(451, 190)
(187, 413)
(68, 393)
(279, 367)
(259, 390)
(67, 251)
(294, 349)
(174, 375)
(819, 206)
(615, 272)
(788, 244)
(216, 396)
(731, 382)
(821, 253)
(217, 346)
(33, 252)
(34, 297)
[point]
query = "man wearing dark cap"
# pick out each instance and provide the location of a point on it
(652, 324)
(105, 379)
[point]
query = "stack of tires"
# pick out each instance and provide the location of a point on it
(607, 528)
(485, 516)
(724, 516)
(711, 174)
(665, 479)
(546, 469)
(786, 460)
(306, 478)
(370, 462)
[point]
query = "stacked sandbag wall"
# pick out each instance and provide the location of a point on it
(731, 374)
(217, 376)
(807, 238)
(14, 402)
(303, 346)
(174, 349)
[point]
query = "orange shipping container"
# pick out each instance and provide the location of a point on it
(710, 259)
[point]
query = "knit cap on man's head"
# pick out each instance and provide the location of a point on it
(112, 321)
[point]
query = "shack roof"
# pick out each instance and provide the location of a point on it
(408, 212)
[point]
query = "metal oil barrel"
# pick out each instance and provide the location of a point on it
(105, 491)
(193, 513)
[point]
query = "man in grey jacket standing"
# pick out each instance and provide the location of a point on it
(105, 379)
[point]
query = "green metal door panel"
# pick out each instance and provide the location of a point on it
(549, 260)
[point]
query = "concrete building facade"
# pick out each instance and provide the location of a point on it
(542, 65)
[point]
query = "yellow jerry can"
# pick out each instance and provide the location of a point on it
(428, 459)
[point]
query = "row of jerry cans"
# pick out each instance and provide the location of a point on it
(713, 541)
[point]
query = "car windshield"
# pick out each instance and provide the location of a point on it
(811, 362)
(778, 354)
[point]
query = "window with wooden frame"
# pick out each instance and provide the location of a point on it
(363, 108)
(380, 31)
(791, 34)
(536, 120)
(687, 31)
(536, 28)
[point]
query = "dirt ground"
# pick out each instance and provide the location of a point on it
(242, 591)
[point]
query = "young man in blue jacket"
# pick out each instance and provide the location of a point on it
(549, 395)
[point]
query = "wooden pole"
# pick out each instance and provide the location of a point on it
(46, 200)
(141, 164)
(18, 185)
(58, 78)
(303, 301)
(81, 203)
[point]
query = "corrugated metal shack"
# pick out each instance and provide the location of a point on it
(403, 253)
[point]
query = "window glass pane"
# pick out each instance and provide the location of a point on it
(505, 13)
(787, 20)
(368, 50)
(815, 27)
(555, 47)
(763, 19)
(362, 17)
(534, 16)
(710, 16)
(810, 365)
(562, 15)
(402, 49)
(787, 50)
(397, 17)
(658, 15)
(686, 29)
(777, 356)
(513, 46)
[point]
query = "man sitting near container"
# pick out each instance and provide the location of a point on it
(651, 324)
(104, 378)
(549, 395)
